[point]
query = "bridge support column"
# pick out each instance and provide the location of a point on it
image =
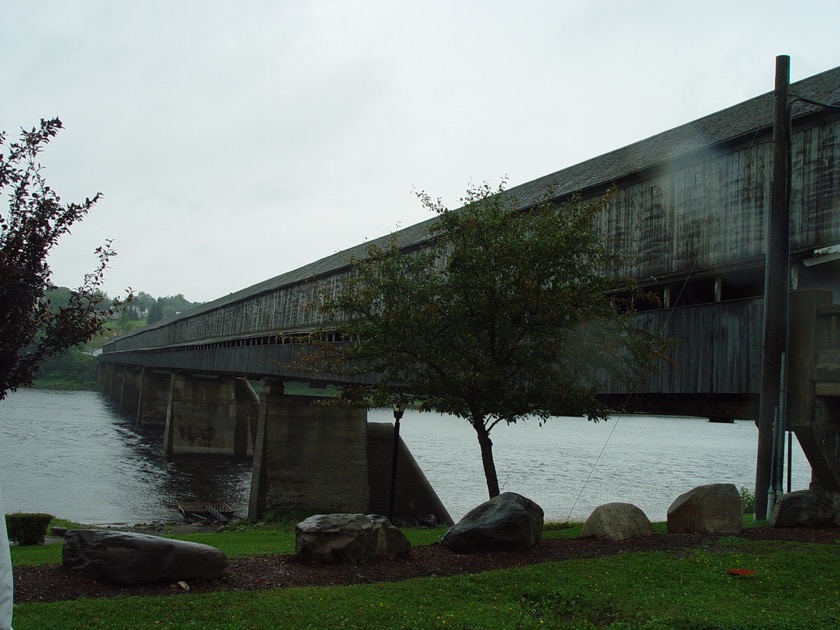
(132, 384)
(201, 416)
(154, 398)
(247, 417)
(104, 374)
(112, 381)
(308, 457)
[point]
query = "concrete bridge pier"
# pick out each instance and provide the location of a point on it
(110, 375)
(314, 456)
(203, 416)
(153, 399)
(132, 385)
(309, 456)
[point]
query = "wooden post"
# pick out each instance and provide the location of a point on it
(776, 292)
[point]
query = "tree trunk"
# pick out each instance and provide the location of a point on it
(486, 445)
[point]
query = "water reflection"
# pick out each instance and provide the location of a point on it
(71, 454)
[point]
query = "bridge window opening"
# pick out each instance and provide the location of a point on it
(693, 292)
(647, 299)
(742, 284)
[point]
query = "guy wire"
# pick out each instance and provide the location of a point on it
(589, 476)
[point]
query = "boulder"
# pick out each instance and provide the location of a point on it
(348, 538)
(129, 558)
(507, 522)
(803, 508)
(711, 509)
(617, 521)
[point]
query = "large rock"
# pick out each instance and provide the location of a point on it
(508, 522)
(617, 521)
(711, 509)
(348, 538)
(129, 558)
(803, 508)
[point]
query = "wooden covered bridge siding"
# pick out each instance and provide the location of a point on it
(693, 232)
(704, 213)
(689, 214)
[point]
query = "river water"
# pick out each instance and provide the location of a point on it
(70, 454)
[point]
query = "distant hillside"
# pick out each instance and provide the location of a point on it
(74, 369)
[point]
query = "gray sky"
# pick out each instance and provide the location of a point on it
(235, 141)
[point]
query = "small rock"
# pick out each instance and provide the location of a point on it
(508, 522)
(617, 521)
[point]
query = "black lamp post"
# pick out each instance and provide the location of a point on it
(399, 409)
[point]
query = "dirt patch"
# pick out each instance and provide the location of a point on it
(55, 583)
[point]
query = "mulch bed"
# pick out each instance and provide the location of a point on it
(50, 583)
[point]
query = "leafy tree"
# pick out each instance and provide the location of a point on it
(72, 369)
(503, 314)
(144, 301)
(58, 297)
(174, 304)
(155, 313)
(31, 328)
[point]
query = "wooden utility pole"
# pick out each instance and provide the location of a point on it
(776, 294)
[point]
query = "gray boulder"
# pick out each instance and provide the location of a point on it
(803, 508)
(129, 558)
(617, 521)
(507, 522)
(348, 538)
(711, 509)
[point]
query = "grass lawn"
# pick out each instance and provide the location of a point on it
(795, 585)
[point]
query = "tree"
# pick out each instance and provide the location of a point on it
(505, 313)
(31, 328)
(155, 313)
(144, 301)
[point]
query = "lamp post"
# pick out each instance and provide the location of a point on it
(399, 409)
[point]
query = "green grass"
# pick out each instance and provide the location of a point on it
(795, 586)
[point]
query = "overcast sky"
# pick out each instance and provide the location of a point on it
(235, 141)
